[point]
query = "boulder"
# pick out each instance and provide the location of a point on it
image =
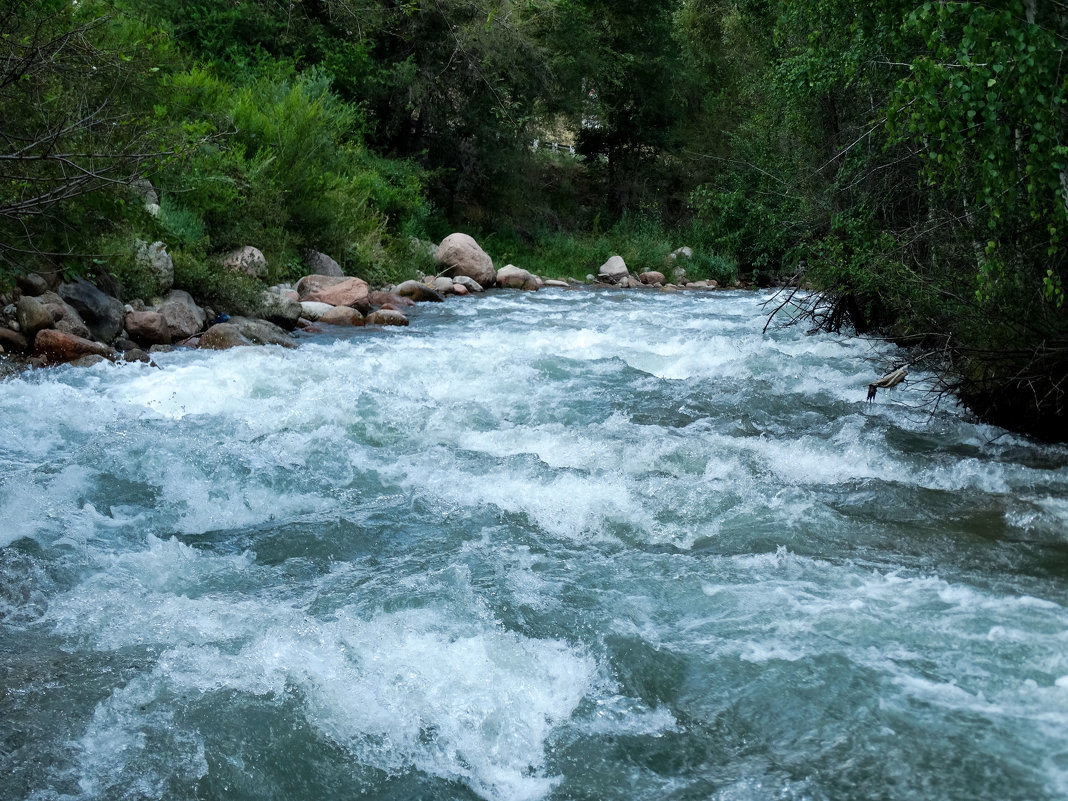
(613, 271)
(223, 336)
(12, 341)
(460, 289)
(681, 253)
(342, 315)
(262, 332)
(311, 310)
(157, 262)
(652, 278)
(32, 316)
(459, 254)
(470, 283)
(418, 292)
(512, 277)
(147, 328)
(58, 347)
(247, 260)
(321, 264)
(386, 317)
(142, 187)
(184, 317)
(390, 299)
(352, 292)
(280, 310)
(552, 282)
(32, 284)
(101, 313)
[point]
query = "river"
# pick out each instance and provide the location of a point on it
(563, 545)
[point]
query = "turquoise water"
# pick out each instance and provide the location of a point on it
(564, 545)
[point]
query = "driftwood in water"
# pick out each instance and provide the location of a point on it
(888, 381)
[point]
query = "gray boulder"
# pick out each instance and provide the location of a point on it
(184, 317)
(247, 260)
(280, 310)
(101, 313)
(613, 271)
(459, 254)
(157, 262)
(321, 264)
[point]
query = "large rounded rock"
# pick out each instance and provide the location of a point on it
(341, 315)
(247, 260)
(613, 271)
(352, 292)
(386, 317)
(32, 316)
(512, 277)
(652, 278)
(459, 254)
(223, 336)
(280, 310)
(184, 317)
(101, 313)
(442, 285)
(157, 262)
(418, 292)
(58, 347)
(148, 328)
(321, 264)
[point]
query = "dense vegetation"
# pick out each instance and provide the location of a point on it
(909, 160)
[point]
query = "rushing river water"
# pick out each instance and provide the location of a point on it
(564, 545)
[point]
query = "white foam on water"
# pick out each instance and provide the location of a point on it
(439, 689)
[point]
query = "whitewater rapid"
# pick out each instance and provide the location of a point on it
(553, 545)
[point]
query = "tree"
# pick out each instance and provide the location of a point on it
(72, 101)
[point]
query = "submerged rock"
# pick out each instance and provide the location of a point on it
(418, 292)
(386, 317)
(223, 336)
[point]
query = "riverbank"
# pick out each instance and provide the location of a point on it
(46, 322)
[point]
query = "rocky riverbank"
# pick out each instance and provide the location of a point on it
(46, 321)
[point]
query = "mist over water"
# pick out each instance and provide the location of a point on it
(563, 545)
